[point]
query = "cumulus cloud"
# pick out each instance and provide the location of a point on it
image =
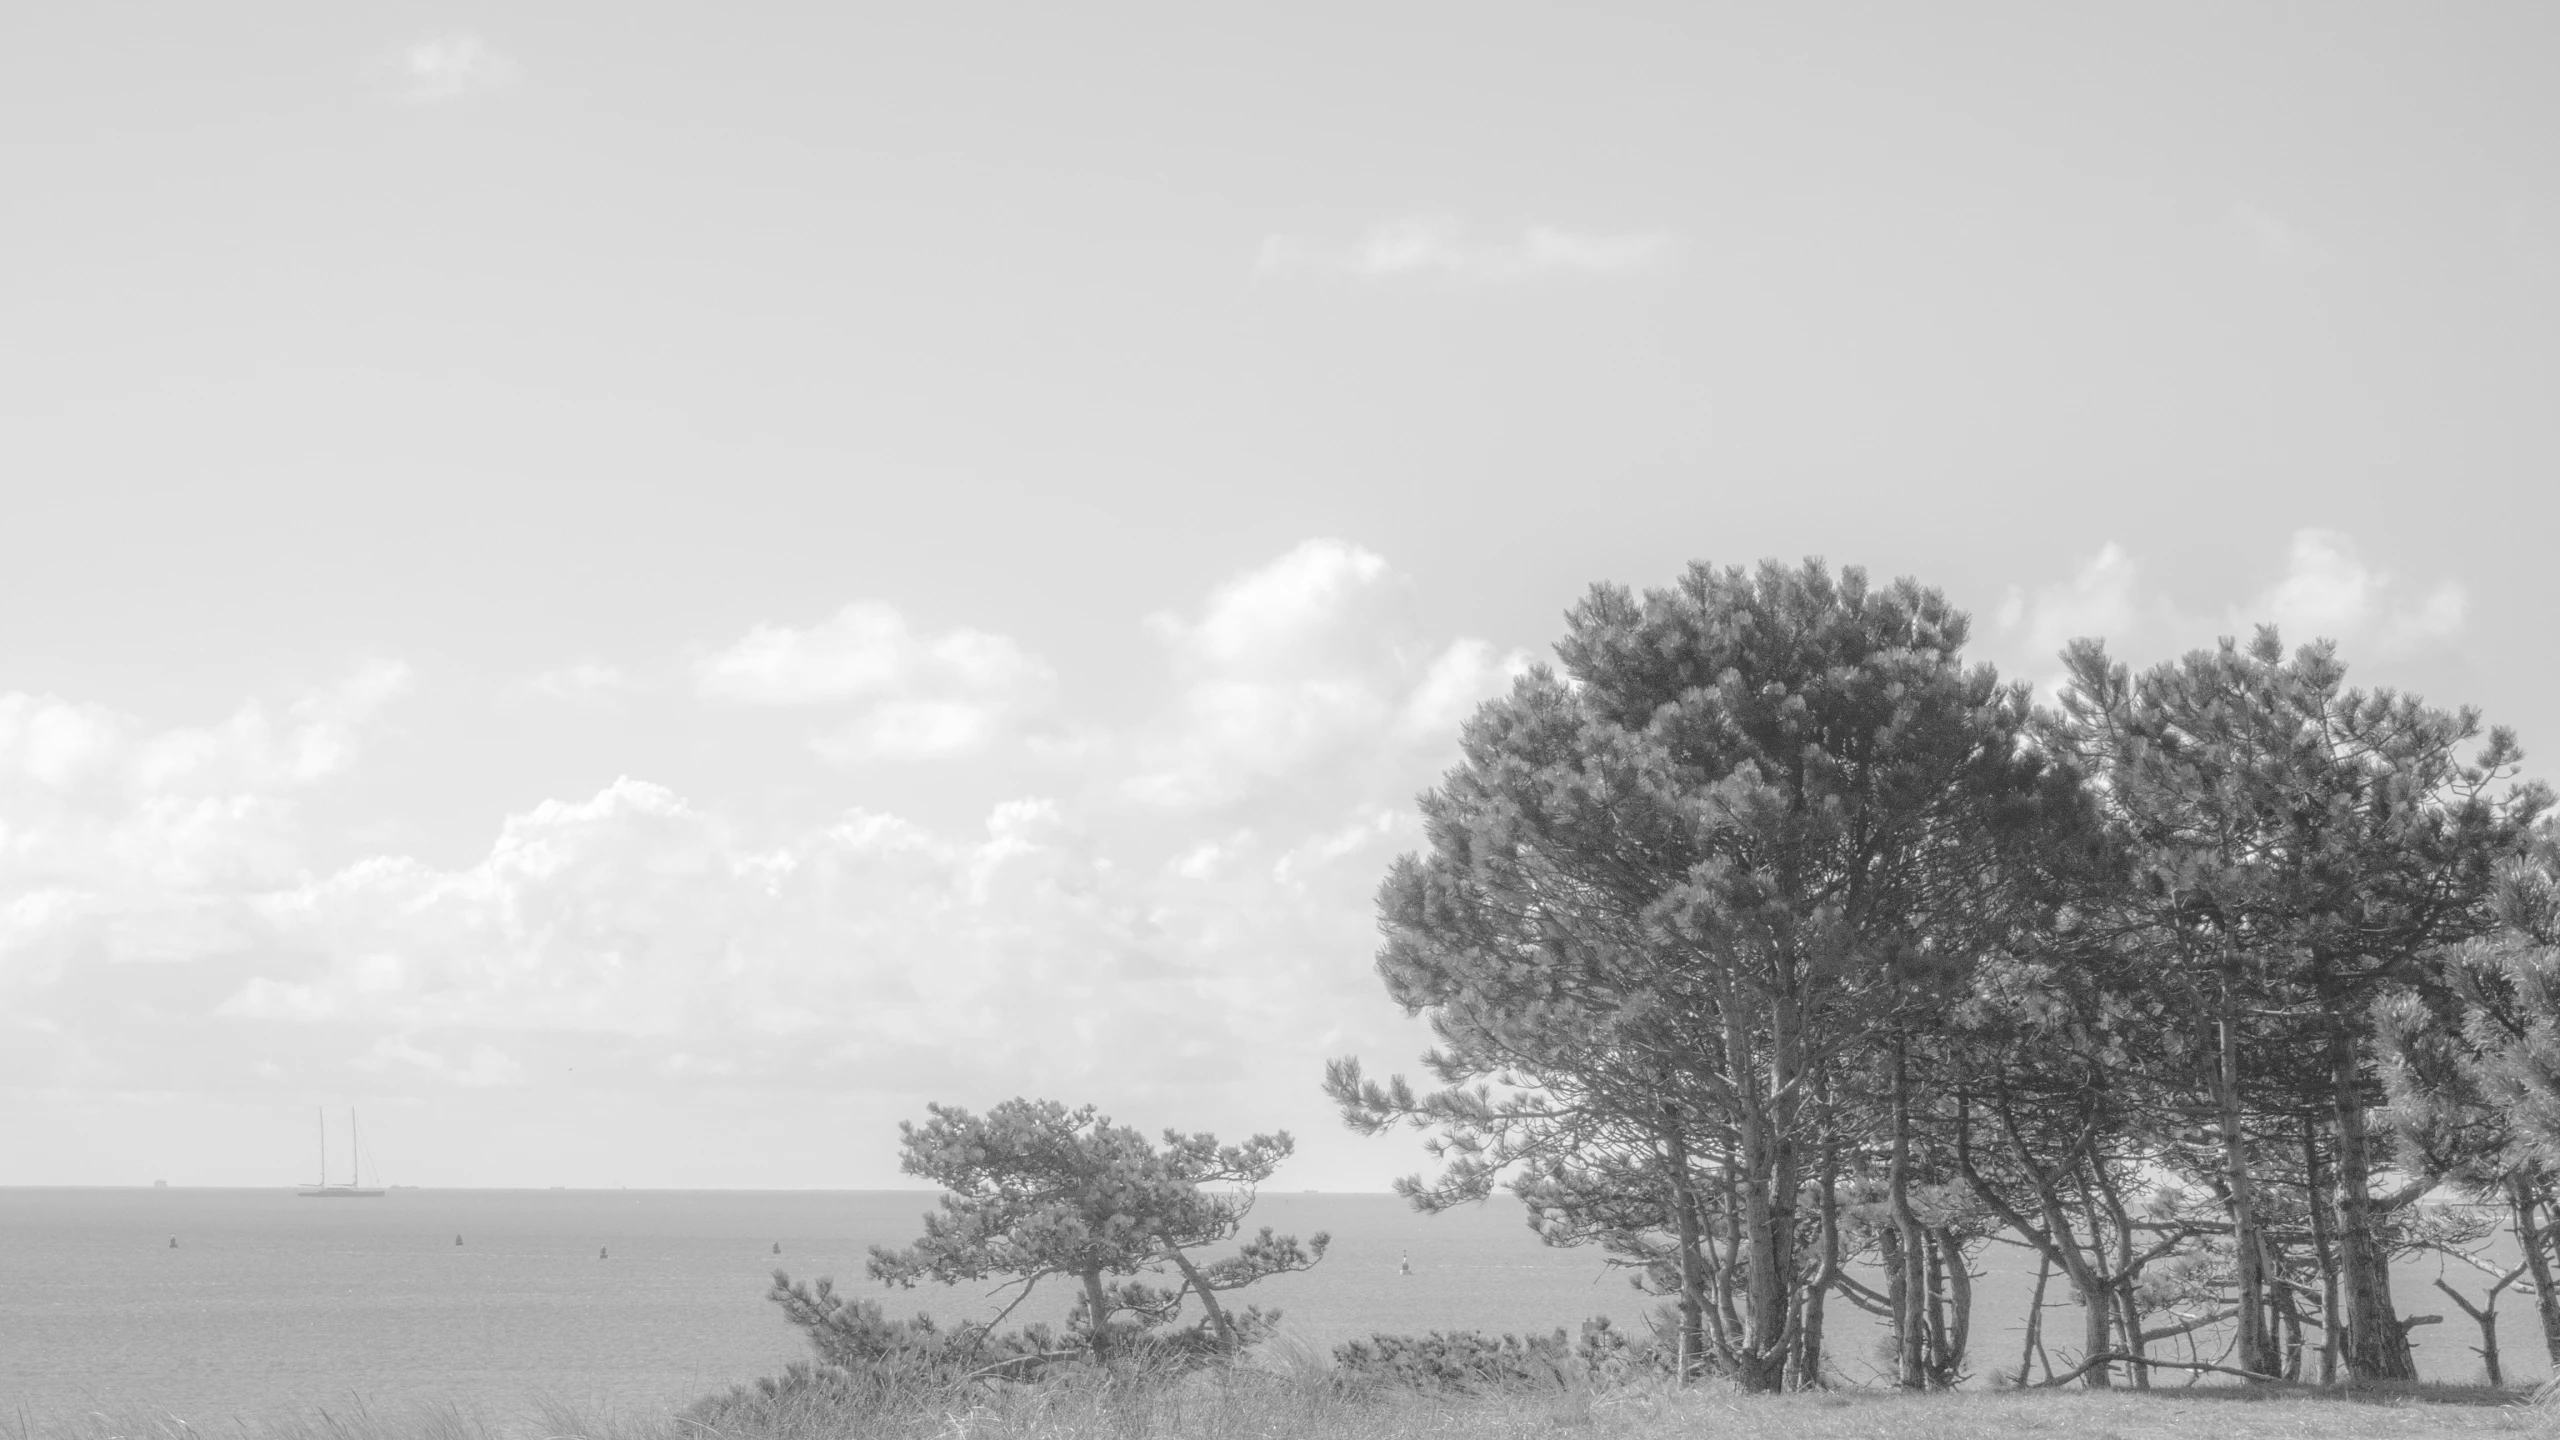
(131, 857)
(854, 950)
(451, 66)
(912, 696)
(1308, 659)
(2326, 591)
(1437, 248)
(658, 944)
(1184, 914)
(2329, 591)
(2100, 599)
(96, 798)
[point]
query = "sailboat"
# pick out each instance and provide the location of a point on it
(354, 1188)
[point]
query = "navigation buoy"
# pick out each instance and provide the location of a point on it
(1404, 1263)
(777, 1247)
(457, 1239)
(600, 1252)
(173, 1242)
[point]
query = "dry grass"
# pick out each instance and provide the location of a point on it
(1251, 1408)
(1285, 1403)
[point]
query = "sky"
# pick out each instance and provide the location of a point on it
(638, 591)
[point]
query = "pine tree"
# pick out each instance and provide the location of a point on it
(1035, 1190)
(2300, 850)
(1745, 839)
(2473, 1072)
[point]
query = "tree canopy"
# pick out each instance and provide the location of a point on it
(1762, 937)
(1035, 1189)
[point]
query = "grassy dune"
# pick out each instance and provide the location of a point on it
(1266, 1404)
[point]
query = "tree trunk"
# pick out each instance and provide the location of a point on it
(2486, 1317)
(2096, 1306)
(1724, 1316)
(1909, 1288)
(1769, 1178)
(2121, 1276)
(2035, 1316)
(2323, 1253)
(1227, 1340)
(2329, 1329)
(1093, 1307)
(1684, 1211)
(2257, 1351)
(1956, 1334)
(2535, 1242)
(1808, 1363)
(2374, 1344)
(2292, 1335)
(2129, 1319)
(1897, 1291)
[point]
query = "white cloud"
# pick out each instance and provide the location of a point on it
(1431, 247)
(265, 999)
(2098, 600)
(2327, 591)
(581, 680)
(100, 802)
(1455, 682)
(450, 66)
(1311, 660)
(1372, 825)
(646, 930)
(1209, 858)
(163, 923)
(131, 862)
(912, 730)
(2438, 617)
(916, 696)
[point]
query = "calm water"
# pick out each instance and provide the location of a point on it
(271, 1302)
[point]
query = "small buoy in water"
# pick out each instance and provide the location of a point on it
(457, 1239)
(1404, 1263)
(777, 1247)
(600, 1252)
(173, 1242)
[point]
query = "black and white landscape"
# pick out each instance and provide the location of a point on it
(637, 594)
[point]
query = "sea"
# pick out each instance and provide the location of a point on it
(221, 1305)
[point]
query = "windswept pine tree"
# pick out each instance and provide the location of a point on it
(2474, 1074)
(1765, 942)
(1737, 856)
(2299, 851)
(1037, 1190)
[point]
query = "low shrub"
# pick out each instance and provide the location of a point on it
(1471, 1361)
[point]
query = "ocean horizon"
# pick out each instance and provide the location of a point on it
(270, 1302)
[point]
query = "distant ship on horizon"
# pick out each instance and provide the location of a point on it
(354, 1189)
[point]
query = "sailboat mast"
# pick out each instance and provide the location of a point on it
(355, 1152)
(323, 1113)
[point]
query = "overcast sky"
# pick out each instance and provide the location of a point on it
(637, 591)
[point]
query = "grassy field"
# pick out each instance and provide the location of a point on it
(1261, 1404)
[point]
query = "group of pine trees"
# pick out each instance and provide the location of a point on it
(1772, 947)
